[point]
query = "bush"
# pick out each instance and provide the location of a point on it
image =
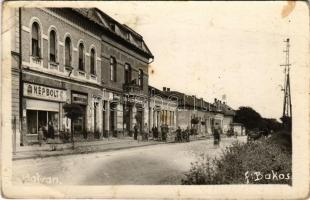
(259, 162)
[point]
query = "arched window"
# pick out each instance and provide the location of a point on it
(113, 69)
(35, 40)
(53, 43)
(127, 73)
(68, 57)
(92, 62)
(81, 57)
(140, 78)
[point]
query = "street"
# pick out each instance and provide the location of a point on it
(156, 164)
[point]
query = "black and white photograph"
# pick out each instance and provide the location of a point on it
(162, 99)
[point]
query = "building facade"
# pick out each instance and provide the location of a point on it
(193, 112)
(162, 110)
(81, 56)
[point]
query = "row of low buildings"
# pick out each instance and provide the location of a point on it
(188, 111)
(85, 57)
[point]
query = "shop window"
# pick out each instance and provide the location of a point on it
(92, 62)
(140, 78)
(113, 69)
(35, 40)
(45, 121)
(68, 52)
(81, 57)
(32, 122)
(52, 46)
(42, 121)
(127, 73)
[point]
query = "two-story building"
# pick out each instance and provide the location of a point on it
(80, 56)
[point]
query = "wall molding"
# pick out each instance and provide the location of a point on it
(26, 29)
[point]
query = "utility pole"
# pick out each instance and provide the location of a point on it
(287, 104)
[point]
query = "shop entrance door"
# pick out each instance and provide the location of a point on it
(139, 119)
(104, 112)
(79, 124)
(113, 119)
(127, 119)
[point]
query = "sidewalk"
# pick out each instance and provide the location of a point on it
(35, 151)
(111, 144)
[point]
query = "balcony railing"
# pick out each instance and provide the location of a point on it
(132, 88)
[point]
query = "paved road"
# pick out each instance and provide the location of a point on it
(158, 164)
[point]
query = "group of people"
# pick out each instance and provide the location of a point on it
(182, 135)
(140, 135)
(46, 131)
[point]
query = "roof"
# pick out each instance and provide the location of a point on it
(120, 31)
(228, 110)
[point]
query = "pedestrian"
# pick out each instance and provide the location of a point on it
(146, 132)
(51, 130)
(40, 136)
(179, 134)
(135, 136)
(187, 134)
(217, 135)
(51, 134)
(153, 132)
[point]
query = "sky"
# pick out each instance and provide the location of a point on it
(211, 49)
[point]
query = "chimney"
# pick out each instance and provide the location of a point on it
(168, 89)
(164, 89)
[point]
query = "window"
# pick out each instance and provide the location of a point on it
(113, 69)
(68, 52)
(140, 44)
(38, 120)
(127, 36)
(127, 73)
(53, 43)
(81, 57)
(140, 78)
(92, 62)
(35, 40)
(112, 26)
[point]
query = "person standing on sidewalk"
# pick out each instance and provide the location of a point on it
(217, 135)
(146, 133)
(179, 134)
(135, 136)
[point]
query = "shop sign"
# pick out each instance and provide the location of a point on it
(43, 92)
(136, 101)
(79, 99)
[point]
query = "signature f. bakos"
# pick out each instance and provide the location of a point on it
(258, 176)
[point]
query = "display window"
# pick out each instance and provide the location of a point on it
(45, 121)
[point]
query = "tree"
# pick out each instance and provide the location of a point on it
(272, 124)
(73, 112)
(249, 118)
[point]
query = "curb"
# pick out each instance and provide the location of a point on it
(82, 152)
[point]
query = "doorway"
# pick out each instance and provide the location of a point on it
(79, 123)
